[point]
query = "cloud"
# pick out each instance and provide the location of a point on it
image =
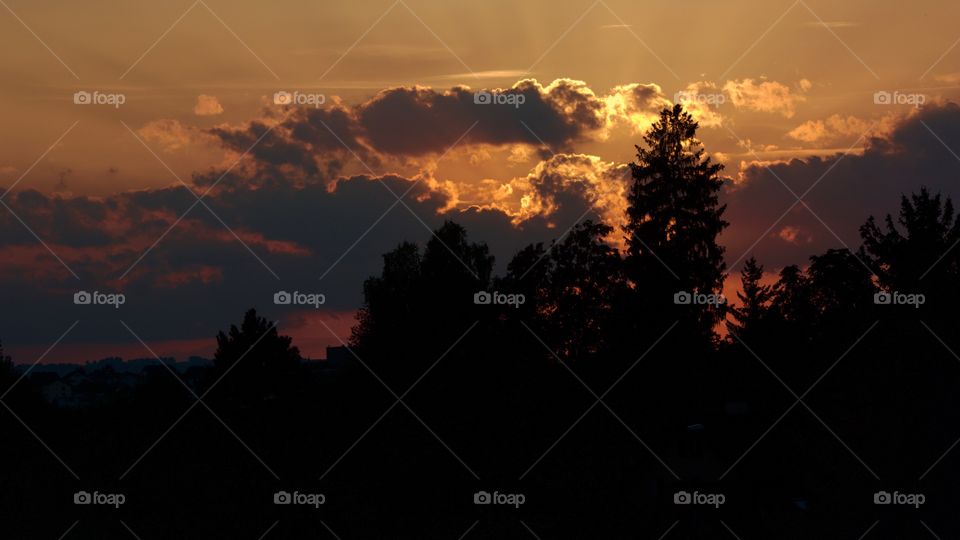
(635, 105)
(844, 190)
(949, 78)
(414, 121)
(794, 235)
(418, 121)
(207, 106)
(702, 100)
(765, 96)
(173, 135)
(213, 267)
(564, 183)
(489, 74)
(833, 128)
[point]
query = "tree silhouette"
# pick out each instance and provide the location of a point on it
(254, 360)
(574, 287)
(923, 257)
(415, 293)
(752, 317)
(842, 288)
(6, 363)
(390, 302)
(674, 218)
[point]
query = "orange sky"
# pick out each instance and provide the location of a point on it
(769, 82)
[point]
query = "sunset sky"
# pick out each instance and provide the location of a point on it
(854, 101)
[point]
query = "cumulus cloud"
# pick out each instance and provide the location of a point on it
(635, 105)
(417, 121)
(702, 100)
(207, 106)
(559, 187)
(766, 96)
(838, 127)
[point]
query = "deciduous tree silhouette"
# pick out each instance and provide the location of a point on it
(919, 252)
(415, 293)
(842, 290)
(571, 289)
(254, 360)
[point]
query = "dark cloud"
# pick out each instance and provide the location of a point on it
(405, 122)
(416, 121)
(199, 277)
(850, 189)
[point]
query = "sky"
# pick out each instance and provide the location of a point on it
(148, 150)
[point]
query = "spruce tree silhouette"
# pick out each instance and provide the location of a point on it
(751, 319)
(674, 218)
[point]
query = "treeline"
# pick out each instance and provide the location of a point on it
(620, 379)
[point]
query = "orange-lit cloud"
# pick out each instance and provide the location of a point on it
(207, 106)
(171, 135)
(766, 96)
